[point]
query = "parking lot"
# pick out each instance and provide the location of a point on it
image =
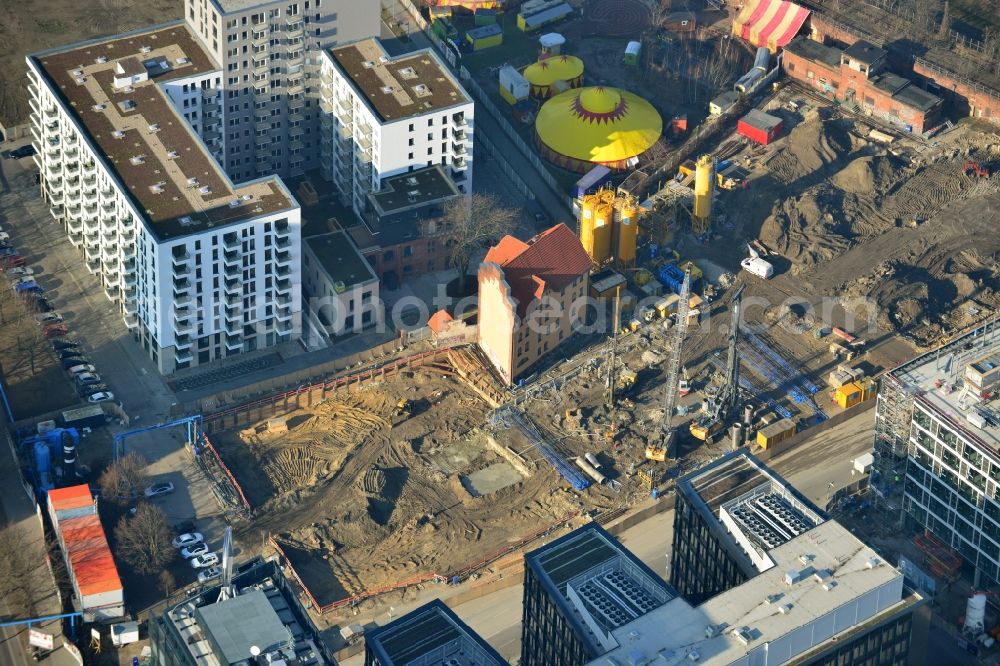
(106, 343)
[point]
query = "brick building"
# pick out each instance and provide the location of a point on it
(858, 76)
(402, 232)
(964, 96)
(530, 298)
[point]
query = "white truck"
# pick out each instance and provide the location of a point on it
(758, 267)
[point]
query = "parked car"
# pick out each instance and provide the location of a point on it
(101, 396)
(72, 361)
(208, 574)
(69, 352)
(194, 550)
(49, 318)
(159, 489)
(23, 151)
(206, 560)
(65, 344)
(41, 304)
(4, 236)
(25, 279)
(17, 272)
(55, 330)
(187, 539)
(91, 389)
(81, 368)
(88, 378)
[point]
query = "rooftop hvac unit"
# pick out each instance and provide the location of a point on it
(744, 635)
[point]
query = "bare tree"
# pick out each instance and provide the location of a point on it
(24, 580)
(167, 583)
(31, 345)
(143, 539)
(924, 13)
(945, 20)
(472, 223)
(123, 480)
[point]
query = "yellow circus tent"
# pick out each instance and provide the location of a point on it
(548, 70)
(579, 128)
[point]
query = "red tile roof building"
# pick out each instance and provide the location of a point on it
(97, 589)
(530, 297)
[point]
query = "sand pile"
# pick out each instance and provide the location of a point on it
(817, 142)
(866, 175)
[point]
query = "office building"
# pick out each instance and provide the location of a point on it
(269, 55)
(198, 267)
(432, 634)
(937, 437)
(810, 593)
(728, 516)
(262, 622)
(340, 288)
(403, 233)
(382, 116)
(577, 591)
(531, 298)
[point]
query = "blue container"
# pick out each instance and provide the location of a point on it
(654, 250)
(655, 494)
(672, 277)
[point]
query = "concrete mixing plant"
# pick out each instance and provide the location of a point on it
(609, 227)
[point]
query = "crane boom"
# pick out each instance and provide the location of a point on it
(731, 389)
(673, 369)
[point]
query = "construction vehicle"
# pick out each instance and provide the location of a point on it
(718, 406)
(403, 409)
(684, 385)
(976, 169)
(626, 380)
(660, 448)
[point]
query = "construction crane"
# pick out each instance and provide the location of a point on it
(719, 406)
(660, 449)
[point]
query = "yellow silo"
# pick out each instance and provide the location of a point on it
(627, 230)
(704, 186)
(587, 204)
(604, 218)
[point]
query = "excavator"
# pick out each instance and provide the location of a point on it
(718, 405)
(659, 449)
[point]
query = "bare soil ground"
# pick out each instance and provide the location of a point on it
(60, 22)
(360, 498)
(903, 229)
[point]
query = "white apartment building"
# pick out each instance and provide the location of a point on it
(270, 55)
(381, 116)
(197, 267)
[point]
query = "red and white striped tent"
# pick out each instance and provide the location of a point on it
(770, 23)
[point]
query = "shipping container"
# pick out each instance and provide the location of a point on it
(485, 37)
(759, 127)
(591, 181)
(775, 433)
(853, 393)
(513, 86)
(91, 416)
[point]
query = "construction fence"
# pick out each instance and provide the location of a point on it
(458, 576)
(227, 489)
(309, 395)
(292, 381)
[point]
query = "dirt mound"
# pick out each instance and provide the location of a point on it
(817, 142)
(865, 175)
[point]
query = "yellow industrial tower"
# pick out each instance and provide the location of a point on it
(609, 227)
(704, 188)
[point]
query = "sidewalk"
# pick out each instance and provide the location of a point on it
(19, 512)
